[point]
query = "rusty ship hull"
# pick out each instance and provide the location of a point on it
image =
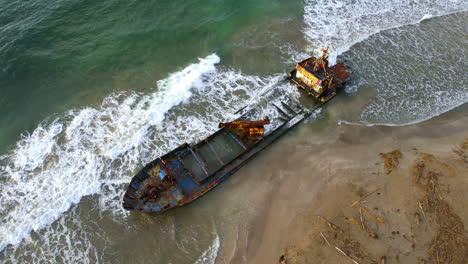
(318, 79)
(189, 171)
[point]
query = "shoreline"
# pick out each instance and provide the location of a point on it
(314, 176)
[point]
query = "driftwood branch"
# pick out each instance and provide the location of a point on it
(344, 253)
(364, 197)
(325, 239)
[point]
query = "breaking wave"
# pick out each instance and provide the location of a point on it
(71, 157)
(339, 24)
(95, 150)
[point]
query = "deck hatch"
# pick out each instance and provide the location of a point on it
(226, 148)
(214, 152)
(236, 139)
(209, 158)
(194, 166)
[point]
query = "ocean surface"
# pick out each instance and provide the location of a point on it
(90, 91)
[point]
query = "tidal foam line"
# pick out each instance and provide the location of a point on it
(209, 256)
(339, 24)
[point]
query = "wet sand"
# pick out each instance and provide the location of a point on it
(323, 175)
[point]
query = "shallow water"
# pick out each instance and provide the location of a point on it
(113, 85)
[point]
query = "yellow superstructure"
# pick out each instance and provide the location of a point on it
(309, 79)
(317, 78)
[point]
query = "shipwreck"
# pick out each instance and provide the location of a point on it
(191, 170)
(318, 79)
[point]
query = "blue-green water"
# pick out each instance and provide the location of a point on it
(90, 91)
(62, 54)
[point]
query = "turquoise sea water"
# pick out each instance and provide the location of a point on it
(63, 54)
(90, 91)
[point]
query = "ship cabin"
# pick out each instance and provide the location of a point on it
(308, 79)
(318, 79)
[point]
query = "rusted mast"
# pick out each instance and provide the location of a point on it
(321, 62)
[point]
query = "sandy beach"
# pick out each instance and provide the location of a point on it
(316, 178)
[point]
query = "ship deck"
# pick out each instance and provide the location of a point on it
(189, 171)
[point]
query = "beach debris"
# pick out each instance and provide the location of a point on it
(344, 253)
(391, 160)
(355, 251)
(363, 197)
(421, 207)
(329, 224)
(418, 168)
(354, 222)
(417, 218)
(383, 259)
(460, 151)
(362, 226)
(430, 158)
(362, 220)
(460, 154)
(449, 245)
(347, 246)
(324, 238)
(464, 145)
(376, 218)
(282, 260)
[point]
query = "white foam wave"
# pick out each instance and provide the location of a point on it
(339, 24)
(429, 84)
(402, 98)
(218, 100)
(97, 150)
(31, 157)
(59, 163)
(209, 256)
(69, 241)
(369, 124)
(450, 105)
